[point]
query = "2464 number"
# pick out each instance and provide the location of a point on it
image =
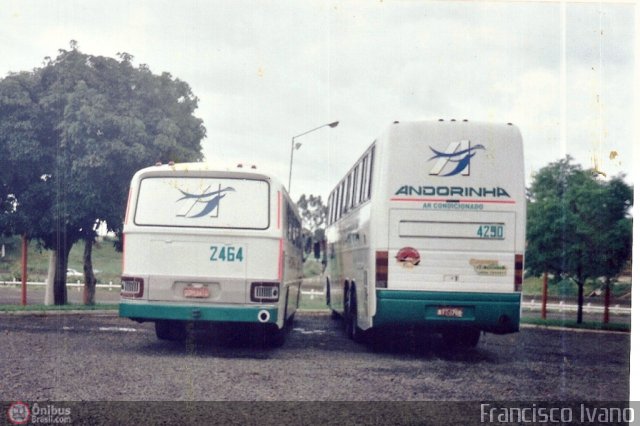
(226, 254)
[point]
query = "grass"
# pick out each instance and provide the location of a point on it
(564, 289)
(105, 259)
(317, 303)
(587, 325)
(68, 307)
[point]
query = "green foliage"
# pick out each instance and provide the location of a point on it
(578, 226)
(312, 268)
(105, 259)
(314, 219)
(73, 133)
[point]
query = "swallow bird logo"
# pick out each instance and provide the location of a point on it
(455, 160)
(209, 201)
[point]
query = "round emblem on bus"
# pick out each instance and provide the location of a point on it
(408, 257)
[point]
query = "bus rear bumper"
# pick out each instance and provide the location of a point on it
(493, 312)
(224, 313)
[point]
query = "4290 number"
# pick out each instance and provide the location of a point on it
(226, 254)
(490, 231)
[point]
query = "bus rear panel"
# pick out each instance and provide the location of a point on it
(209, 246)
(455, 220)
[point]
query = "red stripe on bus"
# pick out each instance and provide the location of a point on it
(422, 200)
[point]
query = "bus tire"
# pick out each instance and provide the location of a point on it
(353, 331)
(175, 331)
(278, 337)
(346, 310)
(463, 338)
(272, 336)
(290, 320)
(328, 293)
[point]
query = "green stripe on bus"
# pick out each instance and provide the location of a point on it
(494, 312)
(195, 312)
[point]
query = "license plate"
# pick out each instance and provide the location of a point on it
(196, 292)
(450, 312)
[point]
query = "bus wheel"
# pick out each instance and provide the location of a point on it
(273, 336)
(463, 338)
(346, 311)
(171, 330)
(353, 331)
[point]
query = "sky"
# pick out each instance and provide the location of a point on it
(265, 71)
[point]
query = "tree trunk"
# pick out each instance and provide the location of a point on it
(580, 300)
(60, 280)
(607, 300)
(51, 273)
(545, 290)
(89, 295)
(25, 250)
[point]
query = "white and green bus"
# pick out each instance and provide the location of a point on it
(428, 229)
(205, 245)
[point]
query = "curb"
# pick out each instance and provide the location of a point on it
(114, 312)
(577, 330)
(96, 312)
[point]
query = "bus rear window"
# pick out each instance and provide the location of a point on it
(203, 203)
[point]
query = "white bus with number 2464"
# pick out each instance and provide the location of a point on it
(428, 229)
(203, 245)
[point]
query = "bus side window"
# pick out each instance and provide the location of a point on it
(347, 198)
(341, 197)
(365, 178)
(354, 189)
(330, 209)
(294, 231)
(373, 152)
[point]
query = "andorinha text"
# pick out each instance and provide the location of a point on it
(536, 414)
(450, 191)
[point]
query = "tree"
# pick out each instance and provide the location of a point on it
(91, 122)
(578, 226)
(314, 219)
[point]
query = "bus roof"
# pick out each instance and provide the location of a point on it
(204, 168)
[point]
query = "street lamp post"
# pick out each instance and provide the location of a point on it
(296, 146)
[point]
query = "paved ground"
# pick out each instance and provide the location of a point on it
(108, 358)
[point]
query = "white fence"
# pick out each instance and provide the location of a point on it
(77, 284)
(536, 305)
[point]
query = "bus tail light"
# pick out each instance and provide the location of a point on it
(265, 292)
(131, 287)
(519, 270)
(382, 268)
